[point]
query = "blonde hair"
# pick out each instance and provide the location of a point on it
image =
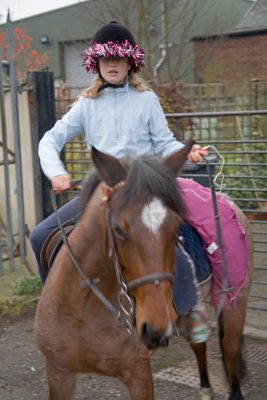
(93, 90)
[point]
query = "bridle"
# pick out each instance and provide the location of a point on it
(126, 312)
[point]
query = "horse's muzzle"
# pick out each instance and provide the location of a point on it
(153, 339)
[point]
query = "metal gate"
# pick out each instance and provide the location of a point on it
(36, 98)
(241, 140)
(242, 169)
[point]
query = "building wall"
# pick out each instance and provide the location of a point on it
(231, 59)
(196, 18)
(77, 24)
(62, 25)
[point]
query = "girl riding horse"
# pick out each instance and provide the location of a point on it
(117, 114)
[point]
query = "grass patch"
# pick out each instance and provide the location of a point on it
(19, 291)
(16, 307)
(27, 285)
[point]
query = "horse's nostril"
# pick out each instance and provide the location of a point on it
(150, 337)
(144, 330)
(153, 338)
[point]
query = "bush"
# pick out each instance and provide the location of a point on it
(27, 285)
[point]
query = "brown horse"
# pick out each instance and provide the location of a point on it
(230, 328)
(123, 243)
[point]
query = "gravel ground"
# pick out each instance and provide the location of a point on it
(22, 374)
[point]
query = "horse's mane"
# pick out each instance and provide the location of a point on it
(88, 187)
(145, 176)
(148, 176)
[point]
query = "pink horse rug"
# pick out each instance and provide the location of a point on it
(200, 216)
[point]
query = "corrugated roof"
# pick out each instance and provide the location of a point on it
(255, 18)
(252, 23)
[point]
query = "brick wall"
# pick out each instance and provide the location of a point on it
(231, 59)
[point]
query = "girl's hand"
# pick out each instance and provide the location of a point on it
(197, 153)
(61, 182)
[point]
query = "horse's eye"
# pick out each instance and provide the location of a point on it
(119, 232)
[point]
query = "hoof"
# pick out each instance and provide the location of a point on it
(206, 394)
(236, 396)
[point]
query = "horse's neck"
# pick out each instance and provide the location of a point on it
(88, 243)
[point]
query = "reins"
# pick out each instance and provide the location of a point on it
(225, 288)
(87, 282)
(126, 312)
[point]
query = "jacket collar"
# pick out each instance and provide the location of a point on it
(124, 88)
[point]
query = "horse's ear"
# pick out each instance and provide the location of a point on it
(108, 167)
(175, 161)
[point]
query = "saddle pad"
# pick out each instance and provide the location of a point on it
(193, 245)
(200, 215)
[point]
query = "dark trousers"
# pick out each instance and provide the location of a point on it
(39, 234)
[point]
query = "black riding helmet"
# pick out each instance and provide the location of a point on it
(114, 32)
(113, 40)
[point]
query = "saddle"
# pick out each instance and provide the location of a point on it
(53, 243)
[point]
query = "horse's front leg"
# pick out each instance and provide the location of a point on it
(139, 381)
(200, 350)
(61, 383)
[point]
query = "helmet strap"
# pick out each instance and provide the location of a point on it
(112, 85)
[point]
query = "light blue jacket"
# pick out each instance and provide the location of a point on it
(117, 122)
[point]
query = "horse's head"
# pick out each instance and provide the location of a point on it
(144, 214)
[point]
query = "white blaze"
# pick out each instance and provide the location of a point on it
(153, 215)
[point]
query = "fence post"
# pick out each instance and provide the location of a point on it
(42, 118)
(16, 134)
(7, 182)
